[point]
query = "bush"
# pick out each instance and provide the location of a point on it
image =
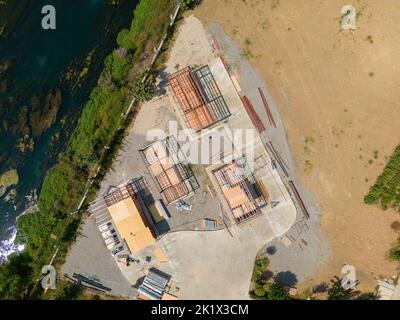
(144, 90)
(261, 287)
(260, 266)
(118, 66)
(70, 291)
(277, 292)
(370, 199)
(15, 277)
(188, 4)
(395, 252)
(386, 190)
(124, 40)
(259, 290)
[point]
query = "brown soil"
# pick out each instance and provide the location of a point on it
(338, 93)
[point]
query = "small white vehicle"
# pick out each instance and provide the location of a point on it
(105, 227)
(109, 240)
(108, 234)
(113, 244)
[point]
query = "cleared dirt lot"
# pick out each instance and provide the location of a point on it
(338, 94)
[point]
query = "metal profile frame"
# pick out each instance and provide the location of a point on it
(208, 98)
(188, 182)
(212, 95)
(247, 183)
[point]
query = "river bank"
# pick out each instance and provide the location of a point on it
(45, 79)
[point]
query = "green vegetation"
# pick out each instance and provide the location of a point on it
(247, 53)
(14, 275)
(188, 4)
(386, 191)
(96, 137)
(117, 66)
(337, 292)
(262, 287)
(274, 4)
(144, 90)
(394, 253)
(275, 291)
(8, 179)
(69, 291)
(260, 266)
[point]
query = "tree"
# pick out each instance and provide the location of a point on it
(71, 291)
(118, 66)
(14, 276)
(124, 39)
(370, 199)
(144, 90)
(259, 289)
(188, 4)
(277, 292)
(395, 253)
(337, 292)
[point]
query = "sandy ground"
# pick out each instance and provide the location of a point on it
(338, 94)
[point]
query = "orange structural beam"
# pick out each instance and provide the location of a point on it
(253, 114)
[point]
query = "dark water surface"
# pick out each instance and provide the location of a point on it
(45, 78)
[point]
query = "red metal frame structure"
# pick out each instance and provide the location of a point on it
(165, 161)
(240, 190)
(199, 97)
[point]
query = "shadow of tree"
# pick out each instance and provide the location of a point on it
(162, 85)
(286, 278)
(320, 288)
(271, 250)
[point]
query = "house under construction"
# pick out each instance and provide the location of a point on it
(168, 165)
(240, 190)
(130, 216)
(199, 97)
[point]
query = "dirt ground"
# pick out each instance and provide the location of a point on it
(338, 93)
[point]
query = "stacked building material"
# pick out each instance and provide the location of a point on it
(154, 284)
(253, 115)
(267, 110)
